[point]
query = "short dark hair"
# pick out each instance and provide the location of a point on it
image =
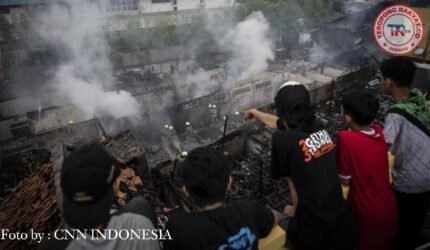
(400, 70)
(361, 106)
(205, 173)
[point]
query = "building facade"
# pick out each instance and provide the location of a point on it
(123, 14)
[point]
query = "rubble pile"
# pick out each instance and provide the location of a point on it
(130, 186)
(16, 166)
(31, 206)
(125, 149)
(37, 191)
(251, 181)
(135, 177)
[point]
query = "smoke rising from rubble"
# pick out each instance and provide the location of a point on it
(248, 44)
(77, 30)
(196, 81)
(318, 54)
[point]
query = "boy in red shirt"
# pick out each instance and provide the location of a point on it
(363, 164)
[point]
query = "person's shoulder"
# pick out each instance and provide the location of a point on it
(180, 212)
(287, 134)
(258, 217)
(378, 129)
(180, 216)
(244, 203)
(344, 134)
(247, 206)
(284, 139)
(394, 116)
(348, 136)
(280, 132)
(130, 220)
(280, 135)
(182, 223)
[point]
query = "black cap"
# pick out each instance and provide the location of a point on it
(87, 178)
(289, 97)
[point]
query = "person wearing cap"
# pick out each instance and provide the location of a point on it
(407, 132)
(303, 153)
(89, 181)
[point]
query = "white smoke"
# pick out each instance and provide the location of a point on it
(77, 30)
(317, 54)
(196, 82)
(251, 46)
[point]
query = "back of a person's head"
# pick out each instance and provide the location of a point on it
(400, 70)
(293, 106)
(361, 106)
(87, 178)
(205, 173)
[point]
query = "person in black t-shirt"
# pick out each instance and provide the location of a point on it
(304, 153)
(206, 176)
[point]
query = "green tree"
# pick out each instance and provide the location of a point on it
(283, 14)
(165, 32)
(316, 10)
(284, 17)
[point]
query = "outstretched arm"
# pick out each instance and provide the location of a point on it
(268, 119)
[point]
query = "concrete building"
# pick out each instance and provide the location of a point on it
(123, 14)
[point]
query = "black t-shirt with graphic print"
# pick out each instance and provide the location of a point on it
(322, 219)
(237, 226)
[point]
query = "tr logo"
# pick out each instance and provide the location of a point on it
(398, 29)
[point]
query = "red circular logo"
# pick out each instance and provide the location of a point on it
(398, 30)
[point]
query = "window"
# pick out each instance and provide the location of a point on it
(122, 5)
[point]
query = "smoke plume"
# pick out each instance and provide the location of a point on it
(77, 30)
(250, 44)
(249, 47)
(318, 54)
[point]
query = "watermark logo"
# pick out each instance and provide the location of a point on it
(398, 30)
(88, 234)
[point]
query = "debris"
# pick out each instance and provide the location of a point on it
(32, 206)
(128, 172)
(137, 181)
(121, 195)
